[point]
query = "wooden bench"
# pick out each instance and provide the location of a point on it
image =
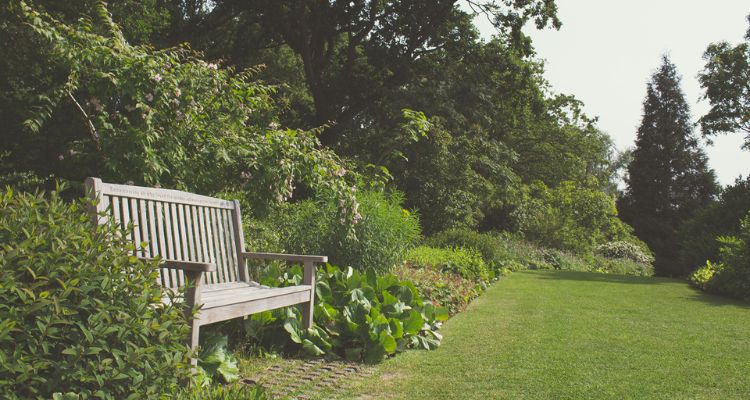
(200, 241)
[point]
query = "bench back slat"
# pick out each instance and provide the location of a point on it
(177, 226)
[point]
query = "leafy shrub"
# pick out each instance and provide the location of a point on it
(78, 314)
(444, 290)
(697, 236)
(730, 276)
(491, 247)
(384, 233)
(572, 216)
(702, 277)
(627, 250)
(467, 263)
(510, 252)
(358, 316)
(618, 266)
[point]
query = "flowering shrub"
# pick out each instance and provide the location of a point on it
(383, 231)
(467, 263)
(627, 250)
(444, 290)
(168, 118)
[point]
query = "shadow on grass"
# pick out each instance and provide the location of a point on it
(695, 295)
(599, 277)
(717, 301)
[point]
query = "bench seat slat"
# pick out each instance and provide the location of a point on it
(210, 314)
(222, 298)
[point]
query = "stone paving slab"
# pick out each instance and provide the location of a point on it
(308, 380)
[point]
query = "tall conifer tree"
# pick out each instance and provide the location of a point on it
(668, 179)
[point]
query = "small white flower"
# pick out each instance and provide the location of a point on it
(149, 97)
(340, 172)
(213, 66)
(177, 92)
(157, 78)
(274, 125)
(61, 157)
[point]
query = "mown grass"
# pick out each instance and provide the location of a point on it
(579, 335)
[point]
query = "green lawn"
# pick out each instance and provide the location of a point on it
(574, 335)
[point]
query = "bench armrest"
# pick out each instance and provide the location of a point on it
(185, 265)
(283, 257)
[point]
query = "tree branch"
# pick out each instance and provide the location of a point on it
(92, 128)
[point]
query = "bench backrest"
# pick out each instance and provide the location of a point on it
(177, 226)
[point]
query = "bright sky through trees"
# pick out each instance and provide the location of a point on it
(607, 50)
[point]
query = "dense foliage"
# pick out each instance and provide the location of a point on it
(384, 231)
(668, 179)
(448, 290)
(160, 118)
(492, 128)
(730, 274)
(572, 216)
(636, 252)
(486, 125)
(490, 246)
(465, 262)
(359, 316)
(78, 313)
(697, 236)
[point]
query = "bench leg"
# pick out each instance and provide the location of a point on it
(307, 314)
(193, 340)
(308, 278)
(193, 297)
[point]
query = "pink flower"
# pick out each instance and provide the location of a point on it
(157, 78)
(95, 102)
(213, 66)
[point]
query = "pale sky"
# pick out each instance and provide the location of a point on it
(607, 50)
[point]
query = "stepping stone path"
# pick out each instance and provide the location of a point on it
(313, 379)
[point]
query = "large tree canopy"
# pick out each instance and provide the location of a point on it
(405, 90)
(726, 80)
(352, 53)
